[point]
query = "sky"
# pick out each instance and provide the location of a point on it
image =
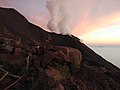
(97, 21)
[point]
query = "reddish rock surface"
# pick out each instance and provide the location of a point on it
(69, 54)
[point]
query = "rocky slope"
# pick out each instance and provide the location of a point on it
(33, 59)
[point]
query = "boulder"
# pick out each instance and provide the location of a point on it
(58, 87)
(53, 75)
(47, 58)
(9, 48)
(49, 77)
(69, 54)
(18, 51)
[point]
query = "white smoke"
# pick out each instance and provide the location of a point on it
(62, 15)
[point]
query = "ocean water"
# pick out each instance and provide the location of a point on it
(110, 53)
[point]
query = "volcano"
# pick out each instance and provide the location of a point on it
(32, 58)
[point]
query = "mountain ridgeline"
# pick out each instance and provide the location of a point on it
(32, 58)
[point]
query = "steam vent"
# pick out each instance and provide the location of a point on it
(34, 59)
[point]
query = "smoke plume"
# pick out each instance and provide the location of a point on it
(81, 16)
(62, 16)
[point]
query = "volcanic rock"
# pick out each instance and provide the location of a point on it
(58, 87)
(69, 54)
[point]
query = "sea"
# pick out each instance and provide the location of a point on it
(110, 53)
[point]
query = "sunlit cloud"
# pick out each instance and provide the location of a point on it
(89, 25)
(109, 35)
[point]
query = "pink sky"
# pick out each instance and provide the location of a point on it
(96, 19)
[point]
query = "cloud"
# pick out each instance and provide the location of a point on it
(102, 13)
(82, 16)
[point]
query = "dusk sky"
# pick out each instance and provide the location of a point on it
(97, 21)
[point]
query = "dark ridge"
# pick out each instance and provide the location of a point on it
(20, 26)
